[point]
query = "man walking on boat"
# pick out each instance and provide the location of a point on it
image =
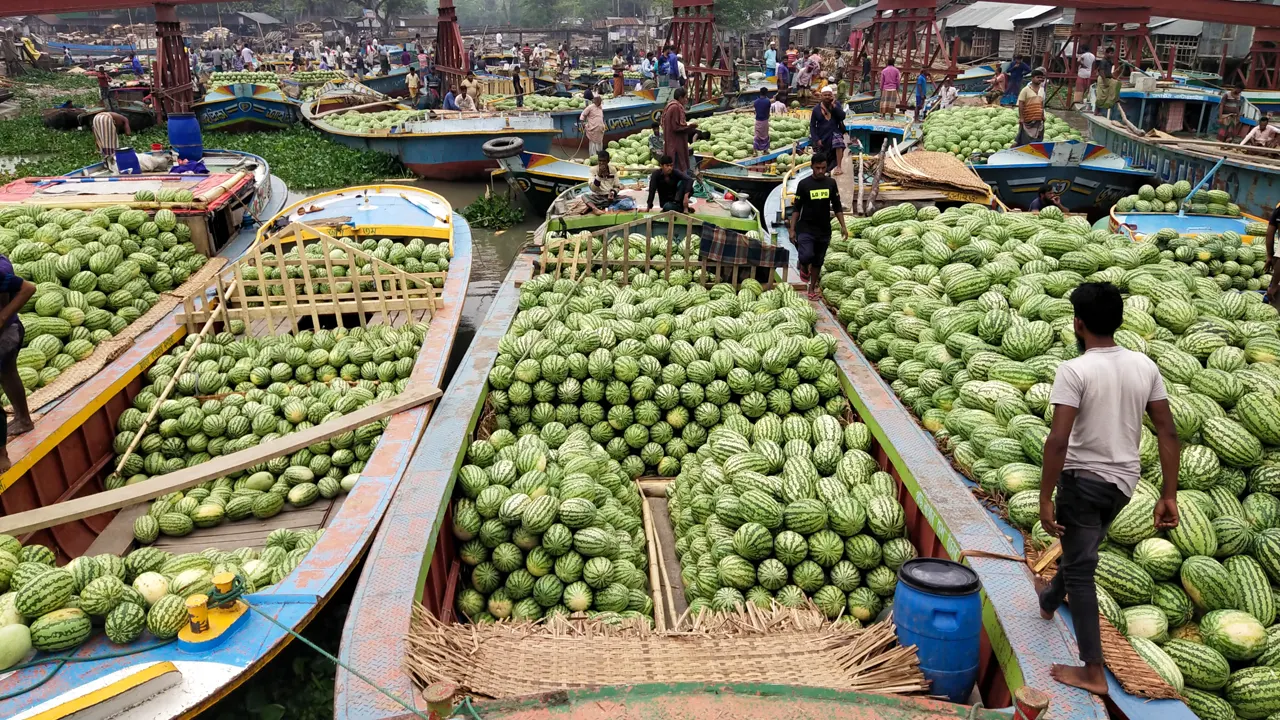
(817, 199)
(676, 130)
(1031, 110)
(592, 119)
(1091, 457)
(826, 129)
(14, 293)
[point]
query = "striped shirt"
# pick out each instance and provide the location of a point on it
(104, 133)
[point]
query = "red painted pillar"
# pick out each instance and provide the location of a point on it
(172, 74)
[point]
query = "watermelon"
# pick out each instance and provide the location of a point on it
(1235, 634)
(60, 630)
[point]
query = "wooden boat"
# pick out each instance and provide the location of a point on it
(1141, 224)
(438, 145)
(245, 107)
(779, 203)
(394, 84)
(1196, 107)
(264, 199)
(870, 132)
(413, 558)
(65, 459)
(214, 215)
(752, 178)
(1087, 177)
(1252, 180)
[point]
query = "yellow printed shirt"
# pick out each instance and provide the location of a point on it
(814, 203)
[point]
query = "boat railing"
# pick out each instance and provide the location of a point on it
(269, 284)
(670, 242)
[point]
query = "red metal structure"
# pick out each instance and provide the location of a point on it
(908, 34)
(1098, 18)
(692, 34)
(171, 73)
(451, 60)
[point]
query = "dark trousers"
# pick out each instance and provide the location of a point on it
(1085, 508)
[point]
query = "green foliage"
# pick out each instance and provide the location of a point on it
(492, 211)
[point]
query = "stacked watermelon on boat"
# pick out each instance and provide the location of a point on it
(732, 393)
(95, 273)
(1167, 197)
(967, 315)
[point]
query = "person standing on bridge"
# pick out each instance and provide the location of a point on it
(1091, 457)
(592, 119)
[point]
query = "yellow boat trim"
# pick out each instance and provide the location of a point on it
(219, 622)
(46, 446)
(73, 708)
(444, 233)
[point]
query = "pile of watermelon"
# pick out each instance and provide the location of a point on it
(967, 315)
(414, 257)
(731, 393)
(95, 273)
(636, 247)
(56, 609)
(164, 195)
(1167, 197)
(237, 392)
(977, 132)
(548, 522)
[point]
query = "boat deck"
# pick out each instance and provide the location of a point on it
(210, 192)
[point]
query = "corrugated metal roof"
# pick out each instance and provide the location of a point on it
(1190, 28)
(1052, 19)
(820, 8)
(260, 18)
(825, 19)
(994, 16)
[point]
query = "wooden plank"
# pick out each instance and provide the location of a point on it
(118, 535)
(78, 508)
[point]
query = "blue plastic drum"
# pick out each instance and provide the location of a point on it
(184, 136)
(936, 607)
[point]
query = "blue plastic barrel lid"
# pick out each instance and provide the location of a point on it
(939, 576)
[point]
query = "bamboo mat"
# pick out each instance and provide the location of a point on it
(779, 646)
(943, 171)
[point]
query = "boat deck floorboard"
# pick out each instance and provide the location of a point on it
(253, 532)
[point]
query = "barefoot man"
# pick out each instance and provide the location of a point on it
(14, 293)
(1091, 455)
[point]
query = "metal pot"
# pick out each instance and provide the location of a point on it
(741, 209)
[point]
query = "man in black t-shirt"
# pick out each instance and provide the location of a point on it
(1273, 296)
(671, 186)
(817, 197)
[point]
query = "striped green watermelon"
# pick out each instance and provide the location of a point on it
(1209, 584)
(1254, 692)
(1202, 667)
(1124, 580)
(1164, 666)
(1234, 633)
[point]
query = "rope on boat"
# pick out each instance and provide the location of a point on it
(237, 590)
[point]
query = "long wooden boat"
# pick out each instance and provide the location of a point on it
(66, 458)
(1141, 224)
(264, 199)
(1035, 650)
(1087, 177)
(440, 145)
(1253, 185)
(1198, 107)
(711, 203)
(414, 559)
(245, 107)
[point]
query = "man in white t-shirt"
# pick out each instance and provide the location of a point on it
(1091, 456)
(246, 56)
(1084, 72)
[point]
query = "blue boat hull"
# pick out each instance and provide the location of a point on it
(444, 157)
(1255, 188)
(1080, 189)
(622, 121)
(245, 108)
(394, 85)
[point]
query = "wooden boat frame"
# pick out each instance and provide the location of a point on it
(413, 558)
(87, 438)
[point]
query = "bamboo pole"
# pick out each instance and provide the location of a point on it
(168, 388)
(659, 615)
